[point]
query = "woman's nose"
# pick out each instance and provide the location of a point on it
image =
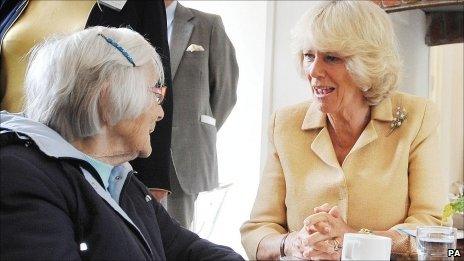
(316, 69)
(159, 112)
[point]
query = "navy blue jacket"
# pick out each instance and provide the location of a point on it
(49, 211)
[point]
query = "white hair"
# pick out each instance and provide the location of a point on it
(361, 32)
(75, 83)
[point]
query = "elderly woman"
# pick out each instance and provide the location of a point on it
(359, 157)
(67, 190)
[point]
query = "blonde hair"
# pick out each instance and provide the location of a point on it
(361, 32)
(76, 82)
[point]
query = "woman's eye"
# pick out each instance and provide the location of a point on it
(332, 59)
(309, 57)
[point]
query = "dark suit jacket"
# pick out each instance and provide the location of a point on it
(149, 19)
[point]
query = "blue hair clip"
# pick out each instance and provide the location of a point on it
(119, 47)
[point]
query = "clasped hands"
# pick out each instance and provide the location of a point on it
(321, 236)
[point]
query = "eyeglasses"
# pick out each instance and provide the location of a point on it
(160, 92)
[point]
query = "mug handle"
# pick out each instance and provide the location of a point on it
(347, 253)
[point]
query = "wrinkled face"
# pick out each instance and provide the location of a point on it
(330, 81)
(136, 132)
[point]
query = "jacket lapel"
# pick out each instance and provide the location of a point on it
(322, 144)
(368, 135)
(381, 112)
(181, 30)
(114, 205)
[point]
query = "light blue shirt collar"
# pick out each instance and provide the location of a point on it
(113, 177)
(103, 169)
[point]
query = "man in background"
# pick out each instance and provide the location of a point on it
(149, 19)
(205, 75)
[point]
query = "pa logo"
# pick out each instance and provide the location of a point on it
(453, 252)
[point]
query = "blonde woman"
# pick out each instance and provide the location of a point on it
(359, 157)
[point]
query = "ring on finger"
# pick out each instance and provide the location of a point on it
(336, 245)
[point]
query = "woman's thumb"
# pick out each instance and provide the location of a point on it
(335, 212)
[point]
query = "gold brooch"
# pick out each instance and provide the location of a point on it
(400, 117)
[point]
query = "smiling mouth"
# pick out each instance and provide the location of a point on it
(322, 91)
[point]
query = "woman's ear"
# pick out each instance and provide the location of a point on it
(103, 105)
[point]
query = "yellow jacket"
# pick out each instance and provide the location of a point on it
(386, 181)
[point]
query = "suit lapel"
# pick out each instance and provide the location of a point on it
(381, 112)
(368, 135)
(181, 30)
(322, 144)
(323, 148)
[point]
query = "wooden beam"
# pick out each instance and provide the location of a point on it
(408, 5)
(444, 27)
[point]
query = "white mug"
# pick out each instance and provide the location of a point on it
(365, 247)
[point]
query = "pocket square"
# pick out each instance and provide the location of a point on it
(195, 48)
(208, 120)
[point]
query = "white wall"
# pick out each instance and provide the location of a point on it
(289, 87)
(410, 29)
(446, 80)
(220, 213)
(284, 85)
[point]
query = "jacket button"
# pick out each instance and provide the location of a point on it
(83, 246)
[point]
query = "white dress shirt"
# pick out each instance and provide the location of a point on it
(170, 11)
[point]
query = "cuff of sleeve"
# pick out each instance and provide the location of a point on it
(404, 244)
(160, 189)
(252, 241)
(404, 226)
